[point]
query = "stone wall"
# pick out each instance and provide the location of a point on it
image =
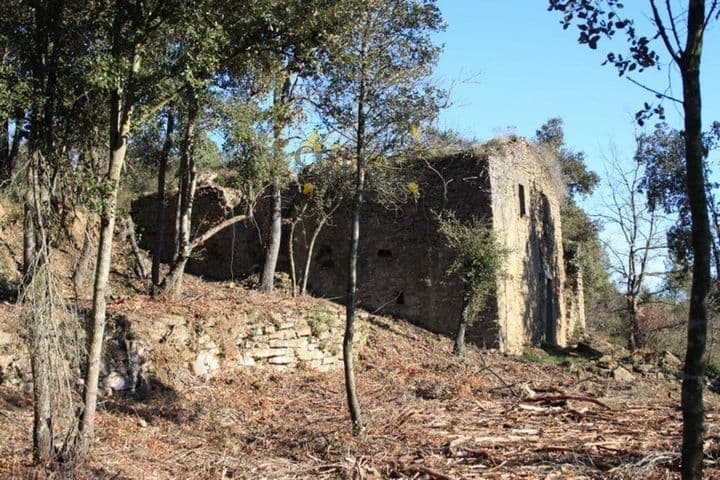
(403, 259)
(139, 349)
(527, 192)
(234, 252)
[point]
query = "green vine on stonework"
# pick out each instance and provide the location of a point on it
(479, 258)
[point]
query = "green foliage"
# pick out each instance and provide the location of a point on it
(548, 356)
(479, 257)
(579, 179)
(379, 65)
(247, 144)
(320, 322)
(583, 250)
(324, 185)
(662, 154)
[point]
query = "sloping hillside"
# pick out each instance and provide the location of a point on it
(428, 415)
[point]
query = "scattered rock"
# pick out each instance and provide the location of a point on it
(621, 374)
(670, 360)
(206, 364)
(644, 368)
(117, 382)
(606, 362)
(8, 338)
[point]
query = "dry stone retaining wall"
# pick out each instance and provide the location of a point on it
(139, 349)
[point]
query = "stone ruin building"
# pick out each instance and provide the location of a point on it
(404, 259)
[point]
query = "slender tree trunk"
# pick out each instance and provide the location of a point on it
(140, 269)
(4, 148)
(635, 335)
(28, 238)
(714, 235)
(39, 344)
(86, 254)
(350, 387)
(291, 253)
(281, 103)
(291, 247)
(42, 411)
(162, 202)
(311, 248)
(459, 347)
(188, 179)
(120, 120)
(273, 250)
(15, 147)
(178, 215)
(694, 371)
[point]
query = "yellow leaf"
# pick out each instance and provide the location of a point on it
(416, 132)
(414, 189)
(308, 188)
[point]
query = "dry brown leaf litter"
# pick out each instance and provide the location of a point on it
(428, 416)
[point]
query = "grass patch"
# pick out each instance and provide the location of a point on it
(548, 356)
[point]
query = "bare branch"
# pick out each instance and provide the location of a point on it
(662, 31)
(652, 90)
(220, 226)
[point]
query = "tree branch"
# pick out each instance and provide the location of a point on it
(657, 94)
(220, 226)
(663, 33)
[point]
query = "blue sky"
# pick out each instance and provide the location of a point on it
(528, 69)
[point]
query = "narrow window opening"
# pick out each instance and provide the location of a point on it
(383, 253)
(400, 298)
(521, 197)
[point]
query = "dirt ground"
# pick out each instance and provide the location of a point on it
(427, 414)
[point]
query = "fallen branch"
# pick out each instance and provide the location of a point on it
(422, 469)
(564, 398)
(199, 241)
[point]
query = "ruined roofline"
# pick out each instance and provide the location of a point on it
(501, 148)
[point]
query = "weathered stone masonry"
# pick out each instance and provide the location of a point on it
(404, 260)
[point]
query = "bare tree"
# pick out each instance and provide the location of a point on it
(637, 241)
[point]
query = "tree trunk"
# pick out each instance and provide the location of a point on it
(28, 240)
(635, 334)
(291, 254)
(42, 411)
(459, 348)
(162, 202)
(188, 179)
(15, 147)
(273, 250)
(86, 255)
(350, 388)
(140, 269)
(715, 236)
(311, 248)
(4, 148)
(694, 371)
(120, 118)
(178, 215)
(39, 344)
